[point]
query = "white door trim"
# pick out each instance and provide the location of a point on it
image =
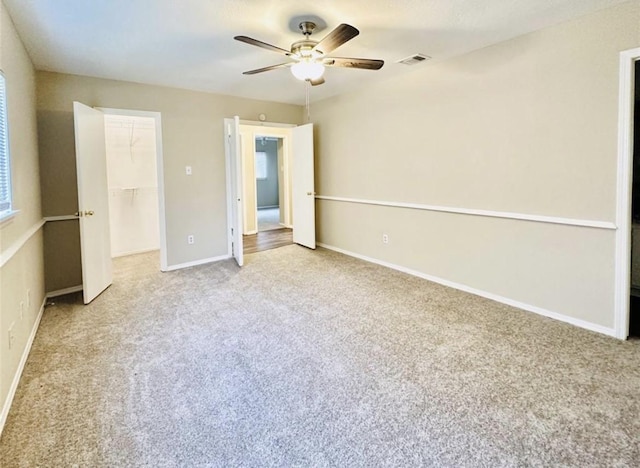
(257, 123)
(235, 190)
(227, 168)
(624, 191)
(160, 171)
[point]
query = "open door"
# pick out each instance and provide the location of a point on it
(93, 201)
(234, 176)
(302, 187)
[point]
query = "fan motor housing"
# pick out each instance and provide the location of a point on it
(304, 49)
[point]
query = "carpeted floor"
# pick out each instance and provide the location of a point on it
(311, 358)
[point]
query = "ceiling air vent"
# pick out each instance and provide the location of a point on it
(413, 59)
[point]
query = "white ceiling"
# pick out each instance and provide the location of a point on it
(189, 43)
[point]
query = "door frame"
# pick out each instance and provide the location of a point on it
(235, 190)
(162, 223)
(275, 130)
(626, 103)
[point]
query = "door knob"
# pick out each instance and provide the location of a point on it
(88, 213)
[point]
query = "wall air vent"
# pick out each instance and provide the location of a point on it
(413, 59)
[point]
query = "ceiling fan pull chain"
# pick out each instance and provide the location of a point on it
(133, 122)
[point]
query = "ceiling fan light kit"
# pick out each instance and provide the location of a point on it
(309, 57)
(307, 70)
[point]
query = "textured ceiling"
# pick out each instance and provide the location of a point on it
(189, 43)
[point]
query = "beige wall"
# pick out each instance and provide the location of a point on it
(526, 126)
(192, 132)
(22, 270)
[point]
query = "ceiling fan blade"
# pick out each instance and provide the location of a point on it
(364, 64)
(336, 38)
(272, 67)
(264, 45)
(317, 82)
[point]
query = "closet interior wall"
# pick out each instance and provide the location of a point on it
(133, 184)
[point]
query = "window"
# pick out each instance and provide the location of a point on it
(261, 165)
(5, 170)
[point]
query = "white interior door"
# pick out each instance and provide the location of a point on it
(234, 177)
(93, 200)
(302, 187)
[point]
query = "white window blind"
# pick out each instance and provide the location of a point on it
(5, 170)
(261, 165)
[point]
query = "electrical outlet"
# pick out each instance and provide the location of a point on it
(190, 239)
(21, 310)
(188, 170)
(11, 335)
(385, 238)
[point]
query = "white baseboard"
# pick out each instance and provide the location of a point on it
(494, 297)
(23, 360)
(134, 252)
(250, 233)
(62, 292)
(198, 262)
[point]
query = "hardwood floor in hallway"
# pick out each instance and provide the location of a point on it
(268, 240)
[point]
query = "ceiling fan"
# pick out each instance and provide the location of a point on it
(309, 58)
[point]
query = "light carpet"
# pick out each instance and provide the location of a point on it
(312, 358)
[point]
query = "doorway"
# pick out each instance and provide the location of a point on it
(266, 178)
(269, 170)
(271, 192)
(93, 194)
(627, 280)
(132, 183)
(266, 171)
(295, 183)
(133, 141)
